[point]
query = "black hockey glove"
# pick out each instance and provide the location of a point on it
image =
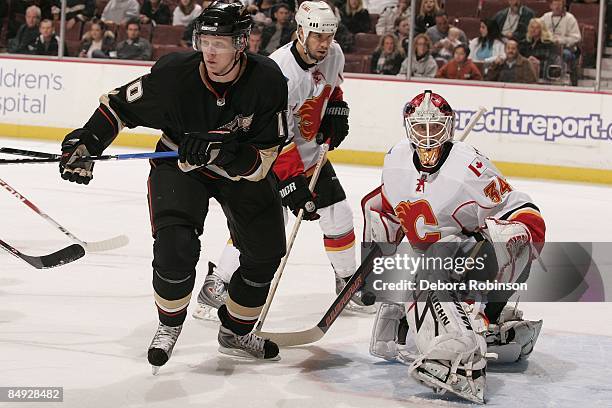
(334, 125)
(296, 196)
(214, 147)
(79, 143)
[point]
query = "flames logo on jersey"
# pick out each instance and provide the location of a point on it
(311, 113)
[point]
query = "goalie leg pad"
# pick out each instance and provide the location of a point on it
(383, 343)
(452, 355)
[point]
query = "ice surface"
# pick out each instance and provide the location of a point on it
(86, 326)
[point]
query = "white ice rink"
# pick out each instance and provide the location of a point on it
(86, 326)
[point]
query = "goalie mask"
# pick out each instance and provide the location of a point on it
(430, 122)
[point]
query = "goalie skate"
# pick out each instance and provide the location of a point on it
(249, 346)
(464, 381)
(211, 296)
(162, 345)
(356, 303)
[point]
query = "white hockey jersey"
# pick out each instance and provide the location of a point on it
(310, 88)
(455, 199)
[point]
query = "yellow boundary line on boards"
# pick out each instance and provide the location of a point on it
(524, 170)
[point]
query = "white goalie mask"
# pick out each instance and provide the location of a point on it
(430, 122)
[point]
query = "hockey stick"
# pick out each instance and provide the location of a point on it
(291, 240)
(29, 153)
(61, 257)
(95, 246)
(128, 156)
(317, 332)
(475, 118)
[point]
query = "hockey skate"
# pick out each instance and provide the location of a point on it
(250, 346)
(511, 338)
(211, 296)
(356, 303)
(162, 345)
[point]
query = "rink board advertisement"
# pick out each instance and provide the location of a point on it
(555, 129)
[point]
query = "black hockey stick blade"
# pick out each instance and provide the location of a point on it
(317, 332)
(28, 153)
(63, 256)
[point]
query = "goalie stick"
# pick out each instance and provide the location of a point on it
(95, 246)
(61, 257)
(317, 332)
(475, 118)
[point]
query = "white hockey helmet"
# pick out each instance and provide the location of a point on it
(316, 17)
(430, 122)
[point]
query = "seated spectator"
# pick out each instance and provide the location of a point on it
(513, 20)
(98, 42)
(388, 56)
(27, 33)
(427, 15)
(156, 11)
(566, 33)
(439, 32)
(538, 45)
(263, 11)
(47, 42)
(388, 17)
(423, 64)
(513, 69)
(255, 42)
(120, 11)
(186, 12)
(76, 11)
(355, 17)
(460, 67)
(279, 33)
(374, 6)
(488, 46)
(449, 44)
(402, 31)
(134, 47)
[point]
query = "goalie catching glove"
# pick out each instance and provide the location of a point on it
(78, 144)
(296, 196)
(334, 125)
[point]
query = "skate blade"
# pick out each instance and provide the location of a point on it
(205, 312)
(441, 387)
(242, 355)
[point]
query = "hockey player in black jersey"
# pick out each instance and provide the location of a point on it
(223, 110)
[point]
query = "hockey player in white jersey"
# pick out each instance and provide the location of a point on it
(433, 190)
(313, 66)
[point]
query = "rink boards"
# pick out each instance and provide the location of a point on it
(543, 133)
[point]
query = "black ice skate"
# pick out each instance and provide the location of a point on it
(211, 296)
(249, 346)
(356, 304)
(162, 345)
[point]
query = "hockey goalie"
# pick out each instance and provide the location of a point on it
(437, 190)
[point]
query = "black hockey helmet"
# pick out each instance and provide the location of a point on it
(224, 19)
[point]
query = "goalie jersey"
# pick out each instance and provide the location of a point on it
(311, 86)
(453, 198)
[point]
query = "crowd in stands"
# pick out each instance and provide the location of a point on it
(525, 41)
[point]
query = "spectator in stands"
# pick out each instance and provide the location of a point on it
(439, 32)
(120, 11)
(98, 42)
(388, 17)
(538, 47)
(513, 20)
(514, 68)
(355, 17)
(255, 42)
(27, 33)
(47, 43)
(264, 10)
(388, 56)
(134, 47)
(566, 33)
(427, 15)
(488, 46)
(460, 67)
(279, 33)
(373, 6)
(185, 12)
(449, 44)
(423, 64)
(343, 36)
(402, 32)
(156, 11)
(76, 11)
